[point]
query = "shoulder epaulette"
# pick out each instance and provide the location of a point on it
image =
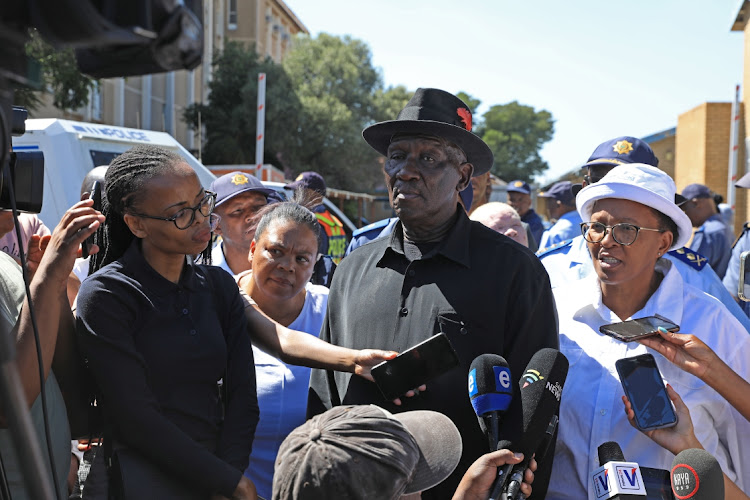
(691, 257)
(552, 248)
(370, 227)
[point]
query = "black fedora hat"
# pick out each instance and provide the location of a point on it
(437, 113)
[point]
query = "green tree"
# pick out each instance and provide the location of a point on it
(231, 113)
(516, 134)
(389, 102)
(337, 86)
(70, 88)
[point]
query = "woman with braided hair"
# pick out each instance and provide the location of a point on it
(159, 332)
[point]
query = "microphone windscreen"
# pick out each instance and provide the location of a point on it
(541, 390)
(490, 387)
(696, 475)
(610, 452)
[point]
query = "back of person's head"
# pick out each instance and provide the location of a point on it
(561, 192)
(309, 180)
(502, 218)
(96, 174)
(297, 210)
(125, 184)
(362, 452)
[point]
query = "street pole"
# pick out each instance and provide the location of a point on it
(260, 126)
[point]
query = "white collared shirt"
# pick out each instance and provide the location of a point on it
(218, 259)
(591, 410)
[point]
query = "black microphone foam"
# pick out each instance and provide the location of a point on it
(541, 390)
(540, 393)
(696, 475)
(610, 452)
(490, 386)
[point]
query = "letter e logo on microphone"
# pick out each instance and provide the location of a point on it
(473, 383)
(601, 483)
(502, 379)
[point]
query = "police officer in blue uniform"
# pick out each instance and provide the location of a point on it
(711, 235)
(519, 197)
(732, 276)
(561, 206)
(570, 260)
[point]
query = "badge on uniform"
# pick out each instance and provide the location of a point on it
(688, 256)
(551, 248)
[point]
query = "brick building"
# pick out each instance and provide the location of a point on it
(156, 102)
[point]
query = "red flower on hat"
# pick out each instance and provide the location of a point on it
(465, 116)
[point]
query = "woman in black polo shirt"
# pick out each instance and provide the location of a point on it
(159, 331)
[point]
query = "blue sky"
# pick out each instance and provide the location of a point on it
(602, 68)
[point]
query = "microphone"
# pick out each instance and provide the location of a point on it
(490, 392)
(696, 475)
(610, 452)
(617, 479)
(540, 393)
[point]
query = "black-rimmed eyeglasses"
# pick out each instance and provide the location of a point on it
(623, 233)
(185, 217)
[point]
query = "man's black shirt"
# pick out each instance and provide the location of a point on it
(486, 292)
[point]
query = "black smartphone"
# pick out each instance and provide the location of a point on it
(634, 329)
(415, 366)
(643, 385)
(96, 195)
(658, 484)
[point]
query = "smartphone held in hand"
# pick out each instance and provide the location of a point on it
(643, 385)
(415, 366)
(634, 329)
(96, 195)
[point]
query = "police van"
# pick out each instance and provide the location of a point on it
(73, 148)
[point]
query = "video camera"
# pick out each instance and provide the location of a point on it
(111, 38)
(26, 170)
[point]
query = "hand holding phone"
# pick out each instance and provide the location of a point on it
(675, 439)
(634, 329)
(642, 384)
(415, 366)
(96, 195)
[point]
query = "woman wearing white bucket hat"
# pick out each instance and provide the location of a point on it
(630, 221)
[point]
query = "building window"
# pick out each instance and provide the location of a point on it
(232, 14)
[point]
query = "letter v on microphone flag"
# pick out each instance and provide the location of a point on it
(615, 478)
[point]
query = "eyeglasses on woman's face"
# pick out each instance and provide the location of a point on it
(623, 233)
(184, 218)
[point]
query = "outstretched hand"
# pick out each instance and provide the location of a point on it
(477, 481)
(686, 351)
(367, 358)
(677, 438)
